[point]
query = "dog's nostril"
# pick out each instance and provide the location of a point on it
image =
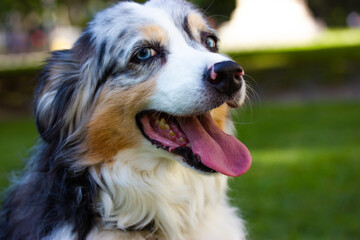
(239, 73)
(225, 77)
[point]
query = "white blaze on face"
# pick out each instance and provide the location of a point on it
(180, 84)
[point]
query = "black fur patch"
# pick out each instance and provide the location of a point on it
(50, 195)
(102, 52)
(123, 33)
(84, 46)
(109, 71)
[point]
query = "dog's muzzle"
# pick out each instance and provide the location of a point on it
(225, 77)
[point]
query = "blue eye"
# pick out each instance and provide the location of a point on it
(210, 42)
(145, 53)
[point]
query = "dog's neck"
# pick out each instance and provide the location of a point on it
(140, 190)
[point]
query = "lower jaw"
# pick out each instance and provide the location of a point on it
(191, 160)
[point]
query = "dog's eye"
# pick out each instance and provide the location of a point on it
(210, 42)
(145, 53)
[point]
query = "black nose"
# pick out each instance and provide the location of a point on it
(225, 77)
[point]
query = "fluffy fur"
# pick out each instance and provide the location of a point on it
(93, 175)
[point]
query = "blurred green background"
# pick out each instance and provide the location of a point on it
(300, 122)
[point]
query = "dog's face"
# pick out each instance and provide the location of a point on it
(145, 77)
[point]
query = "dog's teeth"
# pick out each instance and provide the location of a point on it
(171, 133)
(163, 121)
(181, 140)
(163, 124)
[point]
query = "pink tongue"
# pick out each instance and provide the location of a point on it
(219, 151)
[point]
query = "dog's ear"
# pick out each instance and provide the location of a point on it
(55, 94)
(66, 90)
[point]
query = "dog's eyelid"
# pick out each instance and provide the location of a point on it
(205, 34)
(148, 44)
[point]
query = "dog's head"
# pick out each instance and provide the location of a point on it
(141, 75)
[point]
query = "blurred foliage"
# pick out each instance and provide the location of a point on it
(79, 11)
(17, 89)
(23, 6)
(218, 10)
(333, 12)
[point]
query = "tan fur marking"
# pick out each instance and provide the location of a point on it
(154, 33)
(196, 24)
(220, 116)
(112, 126)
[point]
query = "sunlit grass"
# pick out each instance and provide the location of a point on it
(337, 37)
(303, 183)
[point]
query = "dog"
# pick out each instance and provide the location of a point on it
(132, 123)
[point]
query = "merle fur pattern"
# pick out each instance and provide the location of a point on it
(53, 191)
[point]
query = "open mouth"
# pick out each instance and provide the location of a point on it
(201, 143)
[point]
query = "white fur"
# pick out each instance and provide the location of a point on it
(63, 233)
(179, 88)
(147, 184)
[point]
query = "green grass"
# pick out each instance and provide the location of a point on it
(304, 181)
(17, 136)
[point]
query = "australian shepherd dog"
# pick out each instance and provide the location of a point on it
(132, 124)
